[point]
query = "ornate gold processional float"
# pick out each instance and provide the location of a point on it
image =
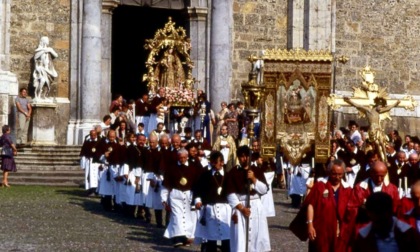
(290, 89)
(169, 65)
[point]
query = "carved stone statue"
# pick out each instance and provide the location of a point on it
(44, 73)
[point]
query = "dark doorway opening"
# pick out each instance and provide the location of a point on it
(132, 25)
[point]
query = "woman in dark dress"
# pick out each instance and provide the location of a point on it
(231, 119)
(9, 150)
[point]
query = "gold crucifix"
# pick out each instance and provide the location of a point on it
(374, 103)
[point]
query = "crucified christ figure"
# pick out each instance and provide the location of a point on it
(376, 134)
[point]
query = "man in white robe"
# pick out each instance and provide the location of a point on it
(242, 181)
(177, 197)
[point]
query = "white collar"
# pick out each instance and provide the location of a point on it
(186, 163)
(365, 183)
(222, 172)
(402, 226)
(107, 141)
(344, 184)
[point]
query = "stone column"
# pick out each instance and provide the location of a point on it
(319, 37)
(310, 24)
(91, 66)
(221, 52)
(8, 81)
(198, 36)
(106, 30)
(295, 18)
(75, 70)
(8, 91)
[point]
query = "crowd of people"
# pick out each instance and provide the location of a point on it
(204, 185)
(203, 189)
(360, 202)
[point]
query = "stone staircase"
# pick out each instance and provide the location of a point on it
(48, 165)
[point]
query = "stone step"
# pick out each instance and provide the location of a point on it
(52, 147)
(69, 174)
(48, 165)
(48, 159)
(43, 156)
(67, 178)
(48, 168)
(60, 153)
(55, 153)
(44, 183)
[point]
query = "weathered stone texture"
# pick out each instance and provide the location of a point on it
(258, 25)
(383, 34)
(30, 20)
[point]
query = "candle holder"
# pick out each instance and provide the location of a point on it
(202, 114)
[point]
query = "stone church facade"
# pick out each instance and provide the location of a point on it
(383, 34)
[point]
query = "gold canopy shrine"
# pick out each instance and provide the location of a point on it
(290, 89)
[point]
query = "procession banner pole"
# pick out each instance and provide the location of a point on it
(248, 205)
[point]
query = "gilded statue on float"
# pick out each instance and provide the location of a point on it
(169, 64)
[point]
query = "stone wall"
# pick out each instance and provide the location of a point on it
(385, 34)
(258, 25)
(30, 20)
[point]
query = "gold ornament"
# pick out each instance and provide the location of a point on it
(183, 181)
(219, 190)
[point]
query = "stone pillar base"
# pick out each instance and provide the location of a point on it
(78, 129)
(8, 91)
(43, 128)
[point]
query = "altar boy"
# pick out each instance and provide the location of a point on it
(211, 198)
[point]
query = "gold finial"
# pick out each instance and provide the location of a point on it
(368, 74)
(343, 59)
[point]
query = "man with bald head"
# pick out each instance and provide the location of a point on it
(180, 178)
(412, 168)
(325, 208)
(398, 168)
(375, 183)
(154, 174)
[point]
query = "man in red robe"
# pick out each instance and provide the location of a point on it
(409, 209)
(357, 216)
(325, 208)
(385, 232)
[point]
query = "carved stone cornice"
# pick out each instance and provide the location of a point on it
(108, 6)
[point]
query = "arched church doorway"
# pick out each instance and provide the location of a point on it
(131, 26)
